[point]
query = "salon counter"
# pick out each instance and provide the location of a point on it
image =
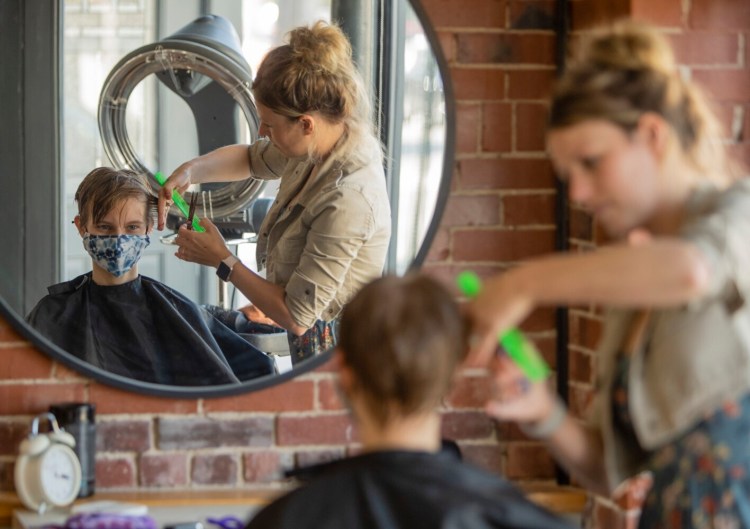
(170, 507)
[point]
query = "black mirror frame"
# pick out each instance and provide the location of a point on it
(192, 392)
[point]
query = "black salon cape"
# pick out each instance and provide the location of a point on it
(404, 490)
(146, 331)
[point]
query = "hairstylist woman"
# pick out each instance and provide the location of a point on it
(639, 150)
(327, 232)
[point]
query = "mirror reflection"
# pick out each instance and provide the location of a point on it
(164, 135)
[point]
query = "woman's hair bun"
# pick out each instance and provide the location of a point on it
(322, 46)
(629, 46)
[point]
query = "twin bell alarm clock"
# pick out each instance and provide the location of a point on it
(47, 473)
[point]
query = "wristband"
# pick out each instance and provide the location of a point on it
(545, 428)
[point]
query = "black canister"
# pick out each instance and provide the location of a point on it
(77, 418)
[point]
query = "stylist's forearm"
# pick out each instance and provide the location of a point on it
(579, 450)
(224, 164)
(267, 296)
(666, 272)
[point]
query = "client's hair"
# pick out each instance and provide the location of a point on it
(104, 187)
(403, 338)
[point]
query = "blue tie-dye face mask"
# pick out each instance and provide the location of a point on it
(115, 253)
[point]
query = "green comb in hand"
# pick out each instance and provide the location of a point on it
(519, 349)
(180, 203)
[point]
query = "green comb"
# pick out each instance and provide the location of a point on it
(180, 202)
(519, 349)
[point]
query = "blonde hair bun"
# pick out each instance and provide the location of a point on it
(320, 47)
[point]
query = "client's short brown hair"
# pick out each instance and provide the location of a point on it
(403, 337)
(104, 187)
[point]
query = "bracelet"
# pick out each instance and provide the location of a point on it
(545, 428)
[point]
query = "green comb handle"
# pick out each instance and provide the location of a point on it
(520, 350)
(180, 203)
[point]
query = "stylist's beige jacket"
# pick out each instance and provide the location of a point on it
(695, 357)
(325, 239)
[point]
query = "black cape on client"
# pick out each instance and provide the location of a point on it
(146, 331)
(404, 490)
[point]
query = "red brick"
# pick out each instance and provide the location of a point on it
(474, 210)
(497, 127)
(6, 476)
(293, 395)
(531, 127)
(488, 457)
(461, 425)
(440, 247)
(481, 14)
(723, 15)
(306, 458)
(581, 224)
(317, 430)
(725, 85)
(467, 128)
(501, 245)
(706, 47)
(24, 399)
(265, 465)
(532, 14)
(580, 400)
(585, 14)
(198, 432)
(540, 320)
(506, 173)
(111, 400)
(530, 84)
(9, 334)
(447, 42)
(580, 367)
(21, 362)
(11, 435)
(163, 470)
(478, 84)
(123, 436)
(667, 13)
(329, 397)
(529, 461)
(505, 48)
(214, 469)
(62, 372)
(114, 473)
(470, 392)
(528, 210)
(585, 331)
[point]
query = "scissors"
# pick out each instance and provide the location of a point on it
(191, 213)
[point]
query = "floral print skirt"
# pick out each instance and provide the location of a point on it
(702, 479)
(318, 339)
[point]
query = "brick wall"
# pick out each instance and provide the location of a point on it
(500, 54)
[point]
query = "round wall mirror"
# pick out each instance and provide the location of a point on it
(417, 129)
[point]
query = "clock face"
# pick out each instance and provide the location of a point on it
(60, 475)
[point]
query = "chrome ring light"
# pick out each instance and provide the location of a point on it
(184, 54)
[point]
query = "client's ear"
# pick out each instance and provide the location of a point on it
(81, 228)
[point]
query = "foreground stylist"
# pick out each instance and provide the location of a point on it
(327, 232)
(639, 149)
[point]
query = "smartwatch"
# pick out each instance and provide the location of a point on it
(225, 267)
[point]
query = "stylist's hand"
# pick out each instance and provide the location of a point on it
(498, 307)
(179, 180)
(206, 248)
(513, 397)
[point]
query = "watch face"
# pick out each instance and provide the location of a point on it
(60, 475)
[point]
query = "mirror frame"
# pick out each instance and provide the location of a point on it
(57, 354)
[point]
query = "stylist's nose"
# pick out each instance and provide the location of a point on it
(579, 187)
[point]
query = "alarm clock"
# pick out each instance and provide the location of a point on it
(47, 473)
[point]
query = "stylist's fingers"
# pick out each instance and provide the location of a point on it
(163, 205)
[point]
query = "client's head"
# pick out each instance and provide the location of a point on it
(400, 342)
(115, 215)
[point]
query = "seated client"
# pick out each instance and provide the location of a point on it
(129, 324)
(400, 343)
